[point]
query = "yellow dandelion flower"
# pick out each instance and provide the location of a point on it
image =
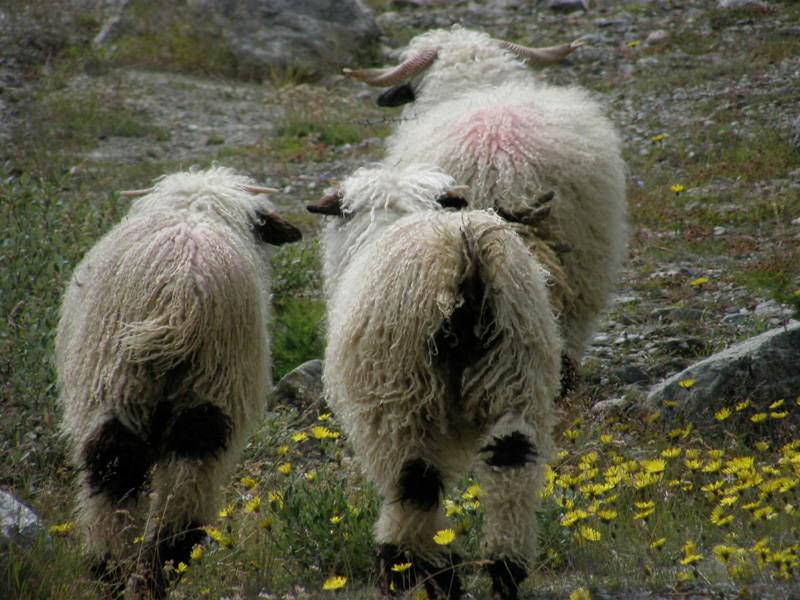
(473, 491)
(653, 466)
(248, 482)
(657, 138)
(712, 488)
(334, 583)
(590, 534)
(651, 418)
(580, 594)
(719, 518)
(320, 432)
(724, 553)
(675, 433)
(64, 528)
(196, 553)
(644, 514)
(776, 404)
(632, 44)
(324, 417)
(420, 594)
(252, 505)
(138, 539)
(622, 427)
(693, 465)
(764, 513)
(300, 436)
(671, 452)
(571, 434)
(699, 281)
(722, 414)
(689, 554)
(311, 475)
(758, 417)
(283, 450)
(606, 516)
(473, 506)
(227, 511)
(677, 188)
(779, 415)
(606, 438)
(670, 403)
(742, 405)
(657, 543)
(762, 446)
(713, 467)
(400, 567)
(444, 537)
(214, 533)
(267, 523)
(285, 468)
(683, 576)
(181, 568)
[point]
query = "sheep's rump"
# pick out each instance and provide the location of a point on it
(152, 312)
(439, 329)
(516, 141)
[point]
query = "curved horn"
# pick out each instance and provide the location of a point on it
(543, 57)
(253, 189)
(394, 75)
(135, 193)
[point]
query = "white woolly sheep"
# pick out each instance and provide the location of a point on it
(163, 363)
(442, 348)
(482, 116)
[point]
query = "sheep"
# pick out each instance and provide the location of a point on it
(163, 361)
(474, 108)
(442, 348)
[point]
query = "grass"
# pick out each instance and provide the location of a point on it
(720, 511)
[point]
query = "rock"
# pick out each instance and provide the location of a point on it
(568, 5)
(762, 369)
(310, 37)
(740, 3)
(654, 38)
(631, 374)
(301, 388)
(22, 532)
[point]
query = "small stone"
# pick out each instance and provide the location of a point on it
(631, 374)
(659, 36)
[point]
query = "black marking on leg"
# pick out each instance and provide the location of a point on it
(420, 484)
(116, 460)
(163, 558)
(511, 451)
(198, 432)
(440, 582)
(569, 375)
(507, 575)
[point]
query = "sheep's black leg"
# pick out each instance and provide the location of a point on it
(439, 581)
(507, 575)
(511, 451)
(198, 432)
(116, 461)
(420, 484)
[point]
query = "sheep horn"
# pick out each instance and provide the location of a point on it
(135, 193)
(395, 75)
(329, 205)
(253, 189)
(543, 57)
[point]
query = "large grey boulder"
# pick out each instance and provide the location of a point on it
(763, 369)
(23, 539)
(301, 389)
(309, 37)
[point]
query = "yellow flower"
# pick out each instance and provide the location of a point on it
(657, 138)
(693, 465)
(677, 188)
(214, 533)
(444, 537)
(658, 543)
(252, 505)
(758, 417)
(473, 491)
(227, 511)
(282, 450)
(671, 452)
(138, 539)
(181, 568)
(285, 468)
(267, 523)
(762, 446)
(689, 555)
(670, 403)
(653, 466)
(335, 519)
(196, 553)
(420, 594)
(590, 534)
(300, 436)
(722, 414)
(571, 434)
(779, 415)
(606, 515)
(324, 417)
(606, 438)
(334, 583)
(632, 44)
(776, 404)
(713, 467)
(400, 567)
(580, 594)
(63, 529)
(248, 482)
(320, 432)
(699, 281)
(311, 476)
(686, 383)
(275, 497)
(743, 404)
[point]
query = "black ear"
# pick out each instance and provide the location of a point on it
(396, 96)
(271, 229)
(329, 205)
(451, 199)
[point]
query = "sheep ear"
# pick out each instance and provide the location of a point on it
(271, 229)
(451, 199)
(329, 205)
